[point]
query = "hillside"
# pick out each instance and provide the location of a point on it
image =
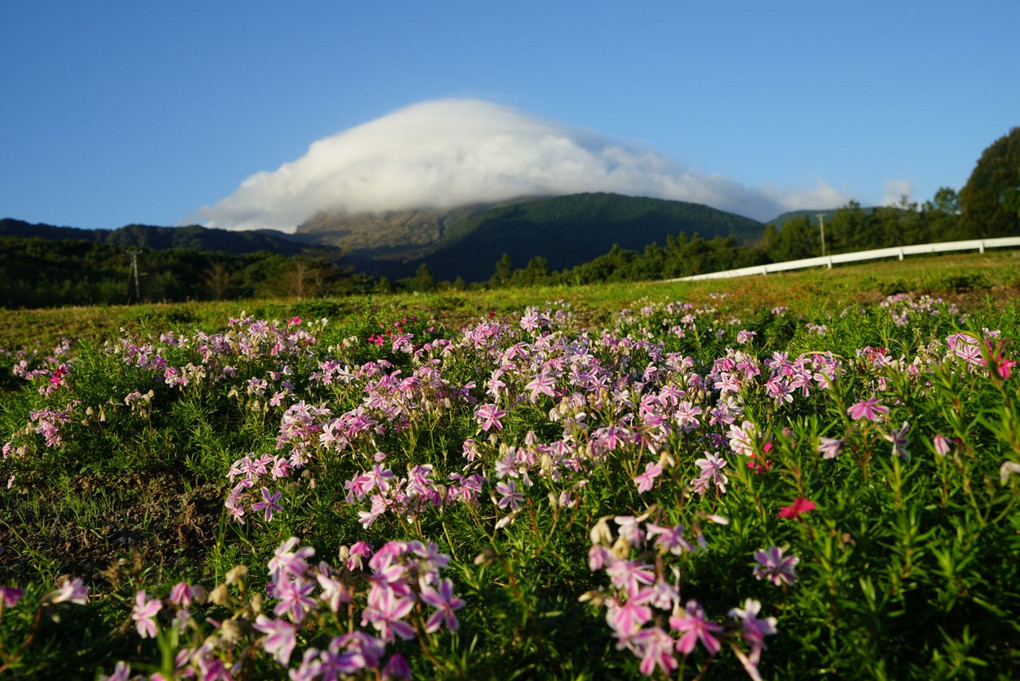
(571, 230)
(192, 238)
(565, 230)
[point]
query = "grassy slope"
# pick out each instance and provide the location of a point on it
(993, 275)
(571, 230)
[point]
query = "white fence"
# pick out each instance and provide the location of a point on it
(876, 254)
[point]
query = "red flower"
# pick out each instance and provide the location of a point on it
(800, 505)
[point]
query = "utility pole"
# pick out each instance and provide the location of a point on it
(821, 226)
(134, 273)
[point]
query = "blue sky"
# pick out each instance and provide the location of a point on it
(119, 112)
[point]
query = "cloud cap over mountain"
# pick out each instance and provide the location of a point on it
(451, 152)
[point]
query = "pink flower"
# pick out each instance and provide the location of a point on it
(869, 409)
(656, 650)
(800, 505)
(692, 624)
(144, 614)
(829, 447)
(72, 590)
(645, 481)
(386, 612)
(280, 639)
(445, 602)
(488, 416)
(627, 618)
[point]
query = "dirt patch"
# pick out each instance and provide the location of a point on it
(156, 519)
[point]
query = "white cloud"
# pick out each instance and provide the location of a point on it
(894, 190)
(450, 152)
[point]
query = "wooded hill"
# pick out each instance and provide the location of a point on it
(192, 237)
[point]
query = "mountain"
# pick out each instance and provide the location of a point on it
(193, 237)
(565, 230)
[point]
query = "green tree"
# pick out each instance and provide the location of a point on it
(504, 271)
(422, 279)
(991, 198)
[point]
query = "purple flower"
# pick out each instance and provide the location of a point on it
(670, 539)
(711, 473)
(121, 672)
(899, 441)
(144, 614)
(268, 503)
(510, 496)
(773, 566)
(869, 409)
(445, 602)
(754, 629)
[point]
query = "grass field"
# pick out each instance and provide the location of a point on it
(807, 475)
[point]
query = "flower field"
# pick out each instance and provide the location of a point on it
(683, 490)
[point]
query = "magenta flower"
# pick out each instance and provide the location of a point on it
(869, 409)
(144, 614)
(800, 505)
(941, 444)
(692, 624)
(775, 567)
(9, 596)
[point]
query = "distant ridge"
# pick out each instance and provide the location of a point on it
(193, 237)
